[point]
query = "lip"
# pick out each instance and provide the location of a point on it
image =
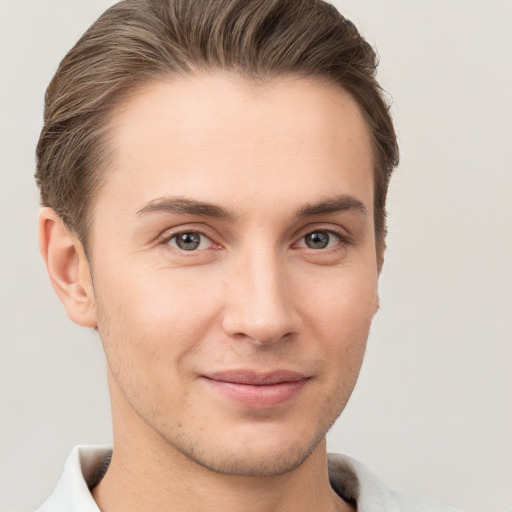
(259, 390)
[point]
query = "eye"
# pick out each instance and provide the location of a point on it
(320, 239)
(189, 241)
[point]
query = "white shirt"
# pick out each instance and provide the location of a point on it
(348, 477)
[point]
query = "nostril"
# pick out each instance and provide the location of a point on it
(259, 307)
(258, 331)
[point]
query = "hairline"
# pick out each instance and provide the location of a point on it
(107, 132)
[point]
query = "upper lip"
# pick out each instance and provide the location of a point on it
(256, 378)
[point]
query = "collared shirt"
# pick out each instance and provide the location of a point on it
(86, 465)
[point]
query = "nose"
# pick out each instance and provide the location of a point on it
(259, 300)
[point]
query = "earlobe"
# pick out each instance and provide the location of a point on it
(68, 268)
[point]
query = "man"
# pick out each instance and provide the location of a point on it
(214, 179)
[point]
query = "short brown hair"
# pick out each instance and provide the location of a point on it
(139, 41)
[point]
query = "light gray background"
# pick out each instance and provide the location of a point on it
(432, 412)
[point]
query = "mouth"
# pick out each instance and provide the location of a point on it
(258, 390)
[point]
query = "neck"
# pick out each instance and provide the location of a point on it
(147, 482)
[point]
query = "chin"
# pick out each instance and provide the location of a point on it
(254, 463)
(259, 452)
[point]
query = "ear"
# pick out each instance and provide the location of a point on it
(377, 303)
(381, 251)
(380, 264)
(68, 268)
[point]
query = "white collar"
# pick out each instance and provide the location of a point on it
(349, 478)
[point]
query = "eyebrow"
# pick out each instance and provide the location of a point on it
(181, 205)
(336, 204)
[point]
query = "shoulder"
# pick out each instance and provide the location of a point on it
(352, 480)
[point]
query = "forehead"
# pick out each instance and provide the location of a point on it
(223, 136)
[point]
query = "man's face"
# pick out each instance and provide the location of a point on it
(234, 267)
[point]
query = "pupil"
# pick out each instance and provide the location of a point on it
(188, 241)
(317, 240)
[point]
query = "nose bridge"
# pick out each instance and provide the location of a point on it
(259, 306)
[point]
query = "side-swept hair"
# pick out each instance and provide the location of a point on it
(136, 42)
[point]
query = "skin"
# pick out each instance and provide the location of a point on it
(274, 163)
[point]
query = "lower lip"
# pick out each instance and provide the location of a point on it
(258, 397)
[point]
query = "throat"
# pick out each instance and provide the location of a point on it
(133, 487)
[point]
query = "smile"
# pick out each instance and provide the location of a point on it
(257, 390)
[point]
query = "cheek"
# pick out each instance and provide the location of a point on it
(339, 316)
(153, 322)
(343, 306)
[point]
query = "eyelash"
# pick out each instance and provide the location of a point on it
(167, 239)
(342, 237)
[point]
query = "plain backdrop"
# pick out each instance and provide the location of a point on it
(432, 411)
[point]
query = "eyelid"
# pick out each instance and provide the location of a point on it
(332, 245)
(169, 234)
(342, 234)
(173, 241)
